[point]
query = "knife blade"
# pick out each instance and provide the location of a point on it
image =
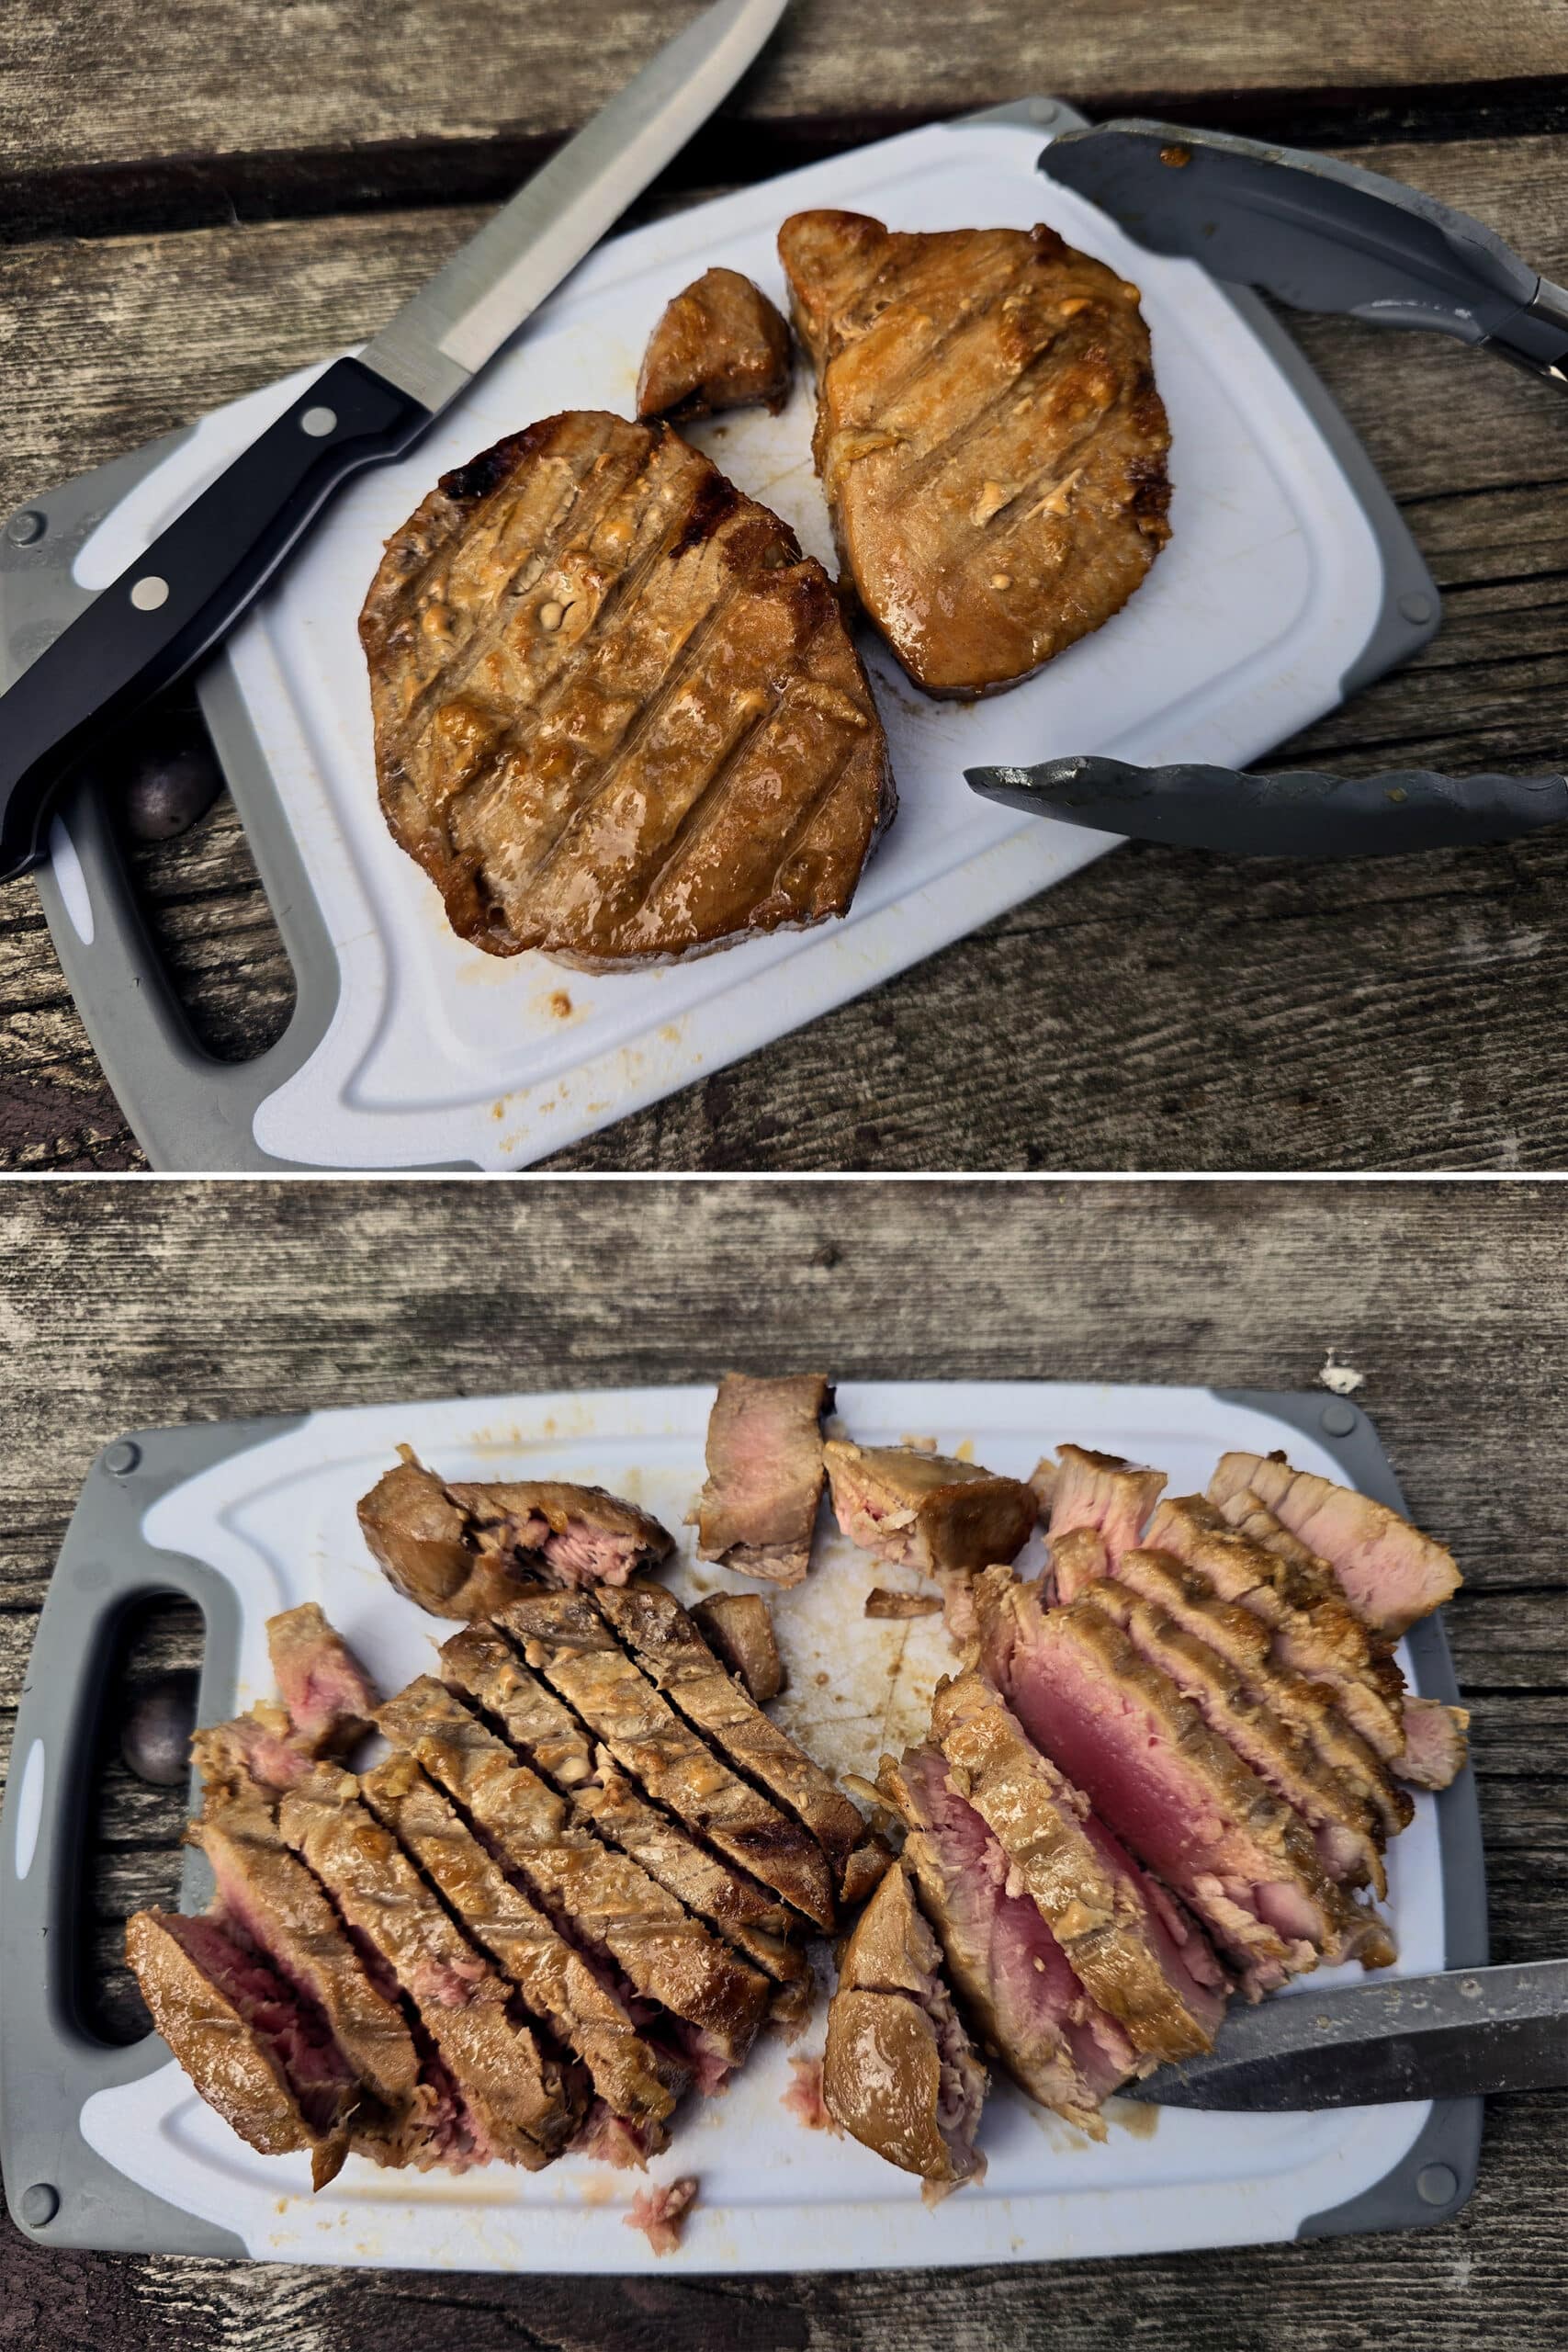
(1460, 2035)
(174, 603)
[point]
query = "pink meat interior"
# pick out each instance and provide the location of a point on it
(292, 2030)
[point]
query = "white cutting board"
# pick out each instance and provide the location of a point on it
(278, 1523)
(1267, 595)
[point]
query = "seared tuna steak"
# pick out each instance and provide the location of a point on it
(483, 1668)
(927, 1510)
(601, 1899)
(466, 1549)
(670, 1651)
(720, 344)
(518, 2102)
(1097, 1492)
(1391, 1573)
(564, 1636)
(1011, 1976)
(618, 716)
(638, 2083)
(1092, 1896)
(988, 436)
(899, 2073)
(322, 1686)
(1180, 1796)
(764, 1463)
(1313, 1631)
(257, 2052)
(739, 1629)
(1435, 1742)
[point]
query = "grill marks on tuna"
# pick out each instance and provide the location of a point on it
(564, 1636)
(1177, 1794)
(618, 716)
(600, 1898)
(988, 435)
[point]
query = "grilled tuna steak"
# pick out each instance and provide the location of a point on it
(671, 1652)
(765, 1472)
(483, 1668)
(1168, 1997)
(256, 2052)
(464, 1550)
(1390, 1572)
(1180, 1796)
(720, 344)
(1097, 1493)
(927, 1510)
(1011, 1974)
(1341, 1831)
(267, 1898)
(1349, 1780)
(603, 1900)
(988, 436)
(564, 1636)
(738, 1626)
(1435, 1742)
(618, 716)
(899, 2073)
(324, 1689)
(518, 2102)
(1313, 1631)
(638, 2083)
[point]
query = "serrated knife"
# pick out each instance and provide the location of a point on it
(175, 602)
(1462, 2035)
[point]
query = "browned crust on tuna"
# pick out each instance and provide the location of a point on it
(719, 343)
(618, 716)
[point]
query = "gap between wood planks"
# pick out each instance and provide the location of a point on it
(189, 191)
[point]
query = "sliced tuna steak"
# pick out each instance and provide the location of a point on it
(1261, 1737)
(602, 1899)
(618, 716)
(522, 2106)
(1092, 1902)
(671, 1650)
(1009, 1972)
(765, 1474)
(1391, 1573)
(1435, 1742)
(1180, 1797)
(638, 2082)
(899, 2073)
(926, 1511)
(485, 1669)
(1313, 1631)
(1099, 1491)
(254, 2050)
(1348, 1777)
(565, 1638)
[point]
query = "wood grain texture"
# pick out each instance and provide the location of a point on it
(127, 1306)
(1162, 1009)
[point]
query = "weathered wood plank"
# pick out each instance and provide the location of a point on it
(92, 86)
(1408, 1024)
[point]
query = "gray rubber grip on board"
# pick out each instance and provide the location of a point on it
(1437, 2176)
(50, 2063)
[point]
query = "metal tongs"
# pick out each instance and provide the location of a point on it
(1318, 235)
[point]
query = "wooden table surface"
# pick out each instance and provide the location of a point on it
(127, 1306)
(196, 198)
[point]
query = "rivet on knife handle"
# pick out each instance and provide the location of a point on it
(1300, 814)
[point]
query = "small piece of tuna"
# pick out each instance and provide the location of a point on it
(719, 343)
(326, 1692)
(927, 1510)
(765, 1474)
(1435, 1742)
(1099, 1491)
(741, 1629)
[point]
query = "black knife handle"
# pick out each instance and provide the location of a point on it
(1302, 814)
(174, 603)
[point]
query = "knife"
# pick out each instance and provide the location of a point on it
(1318, 235)
(1458, 2036)
(174, 604)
